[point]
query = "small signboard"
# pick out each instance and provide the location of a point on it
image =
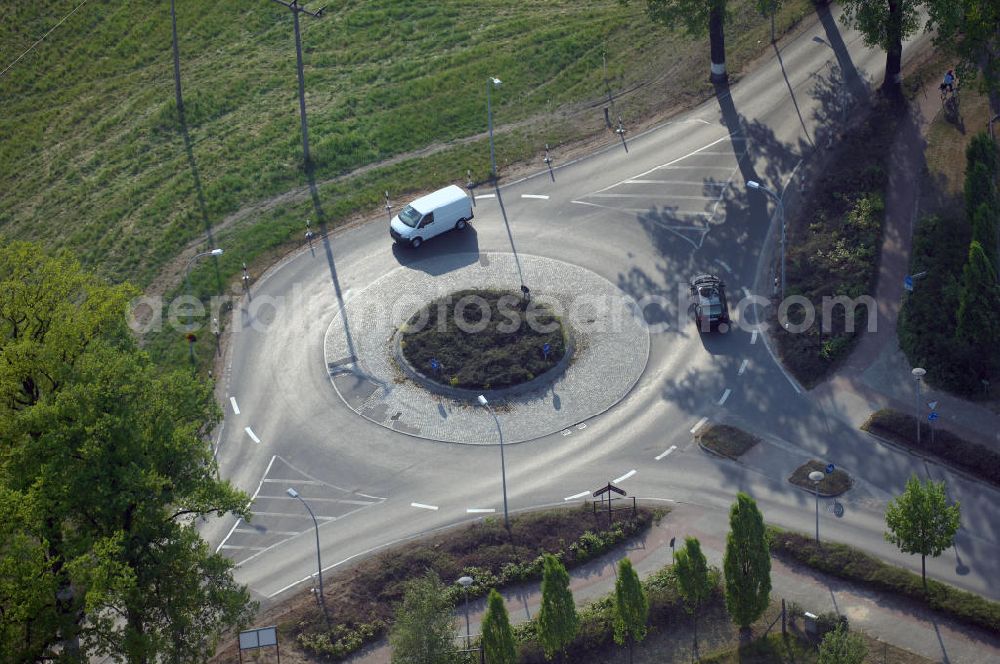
(608, 490)
(830, 468)
(932, 405)
(908, 282)
(260, 637)
(932, 417)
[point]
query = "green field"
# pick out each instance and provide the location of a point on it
(93, 157)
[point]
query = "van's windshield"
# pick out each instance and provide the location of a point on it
(409, 216)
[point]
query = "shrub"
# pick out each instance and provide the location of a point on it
(977, 460)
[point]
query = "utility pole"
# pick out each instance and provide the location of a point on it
(177, 62)
(296, 10)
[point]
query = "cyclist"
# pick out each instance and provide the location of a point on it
(948, 85)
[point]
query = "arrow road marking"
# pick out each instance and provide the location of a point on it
(700, 424)
(252, 435)
(660, 456)
(424, 507)
(624, 477)
(236, 409)
(577, 495)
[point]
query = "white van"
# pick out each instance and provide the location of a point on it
(430, 215)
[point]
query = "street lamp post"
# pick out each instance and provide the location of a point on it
(319, 564)
(781, 206)
(465, 582)
(816, 477)
(187, 283)
(918, 375)
(491, 82)
(503, 469)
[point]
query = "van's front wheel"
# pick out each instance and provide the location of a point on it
(416, 242)
(460, 225)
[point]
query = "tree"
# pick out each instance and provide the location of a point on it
(631, 606)
(841, 647)
(885, 24)
(693, 578)
(498, 637)
(696, 17)
(984, 231)
(746, 562)
(769, 8)
(104, 468)
(557, 619)
(921, 521)
(424, 627)
(979, 299)
(970, 29)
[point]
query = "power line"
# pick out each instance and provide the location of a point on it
(61, 21)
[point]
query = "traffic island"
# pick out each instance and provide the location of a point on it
(834, 483)
(483, 340)
(726, 441)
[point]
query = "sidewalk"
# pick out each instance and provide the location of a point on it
(877, 374)
(898, 622)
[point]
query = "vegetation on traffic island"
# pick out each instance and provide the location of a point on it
(899, 428)
(946, 324)
(480, 339)
(832, 484)
(833, 247)
(727, 441)
(846, 562)
(362, 603)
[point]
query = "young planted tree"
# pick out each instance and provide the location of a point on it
(746, 563)
(696, 17)
(557, 618)
(978, 300)
(885, 24)
(921, 521)
(842, 647)
(498, 637)
(424, 629)
(631, 607)
(694, 579)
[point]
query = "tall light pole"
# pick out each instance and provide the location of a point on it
(816, 477)
(319, 564)
(177, 61)
(296, 10)
(491, 82)
(187, 282)
(918, 375)
(781, 206)
(465, 582)
(503, 469)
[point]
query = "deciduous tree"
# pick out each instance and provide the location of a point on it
(746, 563)
(424, 628)
(557, 618)
(498, 637)
(971, 30)
(696, 17)
(979, 299)
(631, 607)
(840, 646)
(885, 24)
(694, 579)
(921, 521)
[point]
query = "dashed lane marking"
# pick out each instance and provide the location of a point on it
(581, 426)
(539, 196)
(663, 454)
(743, 367)
(433, 508)
(753, 337)
(480, 510)
(232, 402)
(482, 196)
(566, 432)
(252, 435)
(725, 265)
(700, 424)
(577, 495)
(624, 477)
(725, 395)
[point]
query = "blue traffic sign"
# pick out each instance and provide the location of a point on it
(829, 468)
(908, 282)
(932, 416)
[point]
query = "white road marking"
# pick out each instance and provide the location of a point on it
(577, 495)
(725, 395)
(342, 501)
(743, 367)
(746, 292)
(674, 161)
(725, 265)
(299, 515)
(254, 531)
(565, 432)
(753, 337)
(670, 196)
(249, 503)
(482, 196)
(624, 477)
(541, 196)
(424, 507)
(677, 182)
(700, 424)
(480, 510)
(252, 435)
(663, 454)
(581, 426)
(236, 409)
(233, 546)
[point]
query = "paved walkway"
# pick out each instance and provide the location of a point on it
(898, 622)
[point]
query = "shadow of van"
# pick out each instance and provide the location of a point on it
(442, 254)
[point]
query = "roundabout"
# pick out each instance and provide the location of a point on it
(607, 354)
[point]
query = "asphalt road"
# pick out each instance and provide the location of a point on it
(645, 213)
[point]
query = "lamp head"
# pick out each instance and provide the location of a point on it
(918, 373)
(496, 81)
(216, 252)
(482, 400)
(753, 184)
(465, 581)
(816, 476)
(292, 492)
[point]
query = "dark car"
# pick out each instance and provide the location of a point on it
(708, 295)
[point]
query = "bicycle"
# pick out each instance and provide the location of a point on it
(949, 99)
